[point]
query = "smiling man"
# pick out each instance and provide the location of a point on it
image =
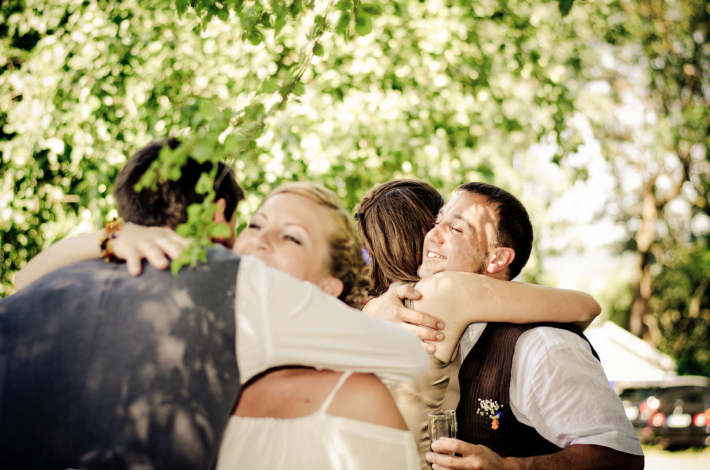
(532, 396)
(472, 220)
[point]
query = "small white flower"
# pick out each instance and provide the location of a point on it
(488, 408)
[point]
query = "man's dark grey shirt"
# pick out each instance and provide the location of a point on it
(99, 369)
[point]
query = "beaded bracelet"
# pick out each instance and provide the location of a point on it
(110, 231)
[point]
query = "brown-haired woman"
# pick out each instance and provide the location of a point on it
(392, 220)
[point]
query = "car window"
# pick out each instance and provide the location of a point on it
(638, 394)
(688, 395)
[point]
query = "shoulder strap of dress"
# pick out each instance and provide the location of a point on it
(330, 397)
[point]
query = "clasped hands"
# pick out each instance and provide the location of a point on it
(389, 306)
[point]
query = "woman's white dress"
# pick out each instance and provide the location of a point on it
(317, 441)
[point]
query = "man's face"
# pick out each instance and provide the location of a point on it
(464, 232)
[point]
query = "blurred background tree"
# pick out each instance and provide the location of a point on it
(447, 91)
(655, 130)
(350, 94)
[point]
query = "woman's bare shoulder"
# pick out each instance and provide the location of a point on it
(364, 397)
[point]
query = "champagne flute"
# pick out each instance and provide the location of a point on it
(442, 423)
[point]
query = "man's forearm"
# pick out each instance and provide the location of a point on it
(579, 457)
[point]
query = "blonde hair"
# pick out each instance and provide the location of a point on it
(345, 260)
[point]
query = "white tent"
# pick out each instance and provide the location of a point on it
(627, 360)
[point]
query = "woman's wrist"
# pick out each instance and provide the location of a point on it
(110, 233)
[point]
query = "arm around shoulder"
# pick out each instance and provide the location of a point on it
(478, 298)
(303, 325)
(132, 243)
(63, 253)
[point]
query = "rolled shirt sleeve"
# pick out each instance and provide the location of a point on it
(560, 389)
(283, 321)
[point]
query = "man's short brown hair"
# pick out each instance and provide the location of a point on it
(513, 227)
(167, 206)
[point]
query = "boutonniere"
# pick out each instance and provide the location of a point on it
(490, 409)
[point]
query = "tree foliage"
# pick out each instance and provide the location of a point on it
(680, 307)
(348, 94)
(655, 127)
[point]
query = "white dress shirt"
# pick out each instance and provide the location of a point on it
(284, 321)
(559, 388)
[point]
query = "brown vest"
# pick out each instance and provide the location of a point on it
(485, 375)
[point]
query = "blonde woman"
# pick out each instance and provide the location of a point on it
(298, 417)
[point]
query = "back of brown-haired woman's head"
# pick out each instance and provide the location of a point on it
(392, 220)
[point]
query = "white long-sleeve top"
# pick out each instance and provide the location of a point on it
(284, 321)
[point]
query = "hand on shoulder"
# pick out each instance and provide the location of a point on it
(389, 307)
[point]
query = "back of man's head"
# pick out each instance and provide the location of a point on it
(513, 229)
(167, 206)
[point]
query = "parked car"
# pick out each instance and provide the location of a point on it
(682, 418)
(640, 404)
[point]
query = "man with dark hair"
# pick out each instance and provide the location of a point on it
(100, 369)
(532, 396)
(513, 229)
(167, 205)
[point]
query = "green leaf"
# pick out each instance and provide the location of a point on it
(148, 180)
(344, 5)
(203, 151)
(486, 170)
(181, 6)
(255, 37)
(223, 14)
(299, 89)
(231, 144)
(296, 7)
(195, 212)
(565, 6)
(176, 264)
(279, 23)
(265, 20)
(248, 23)
(204, 184)
(183, 230)
(175, 174)
(363, 24)
(220, 231)
(318, 49)
(209, 110)
(271, 85)
(343, 23)
(371, 9)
